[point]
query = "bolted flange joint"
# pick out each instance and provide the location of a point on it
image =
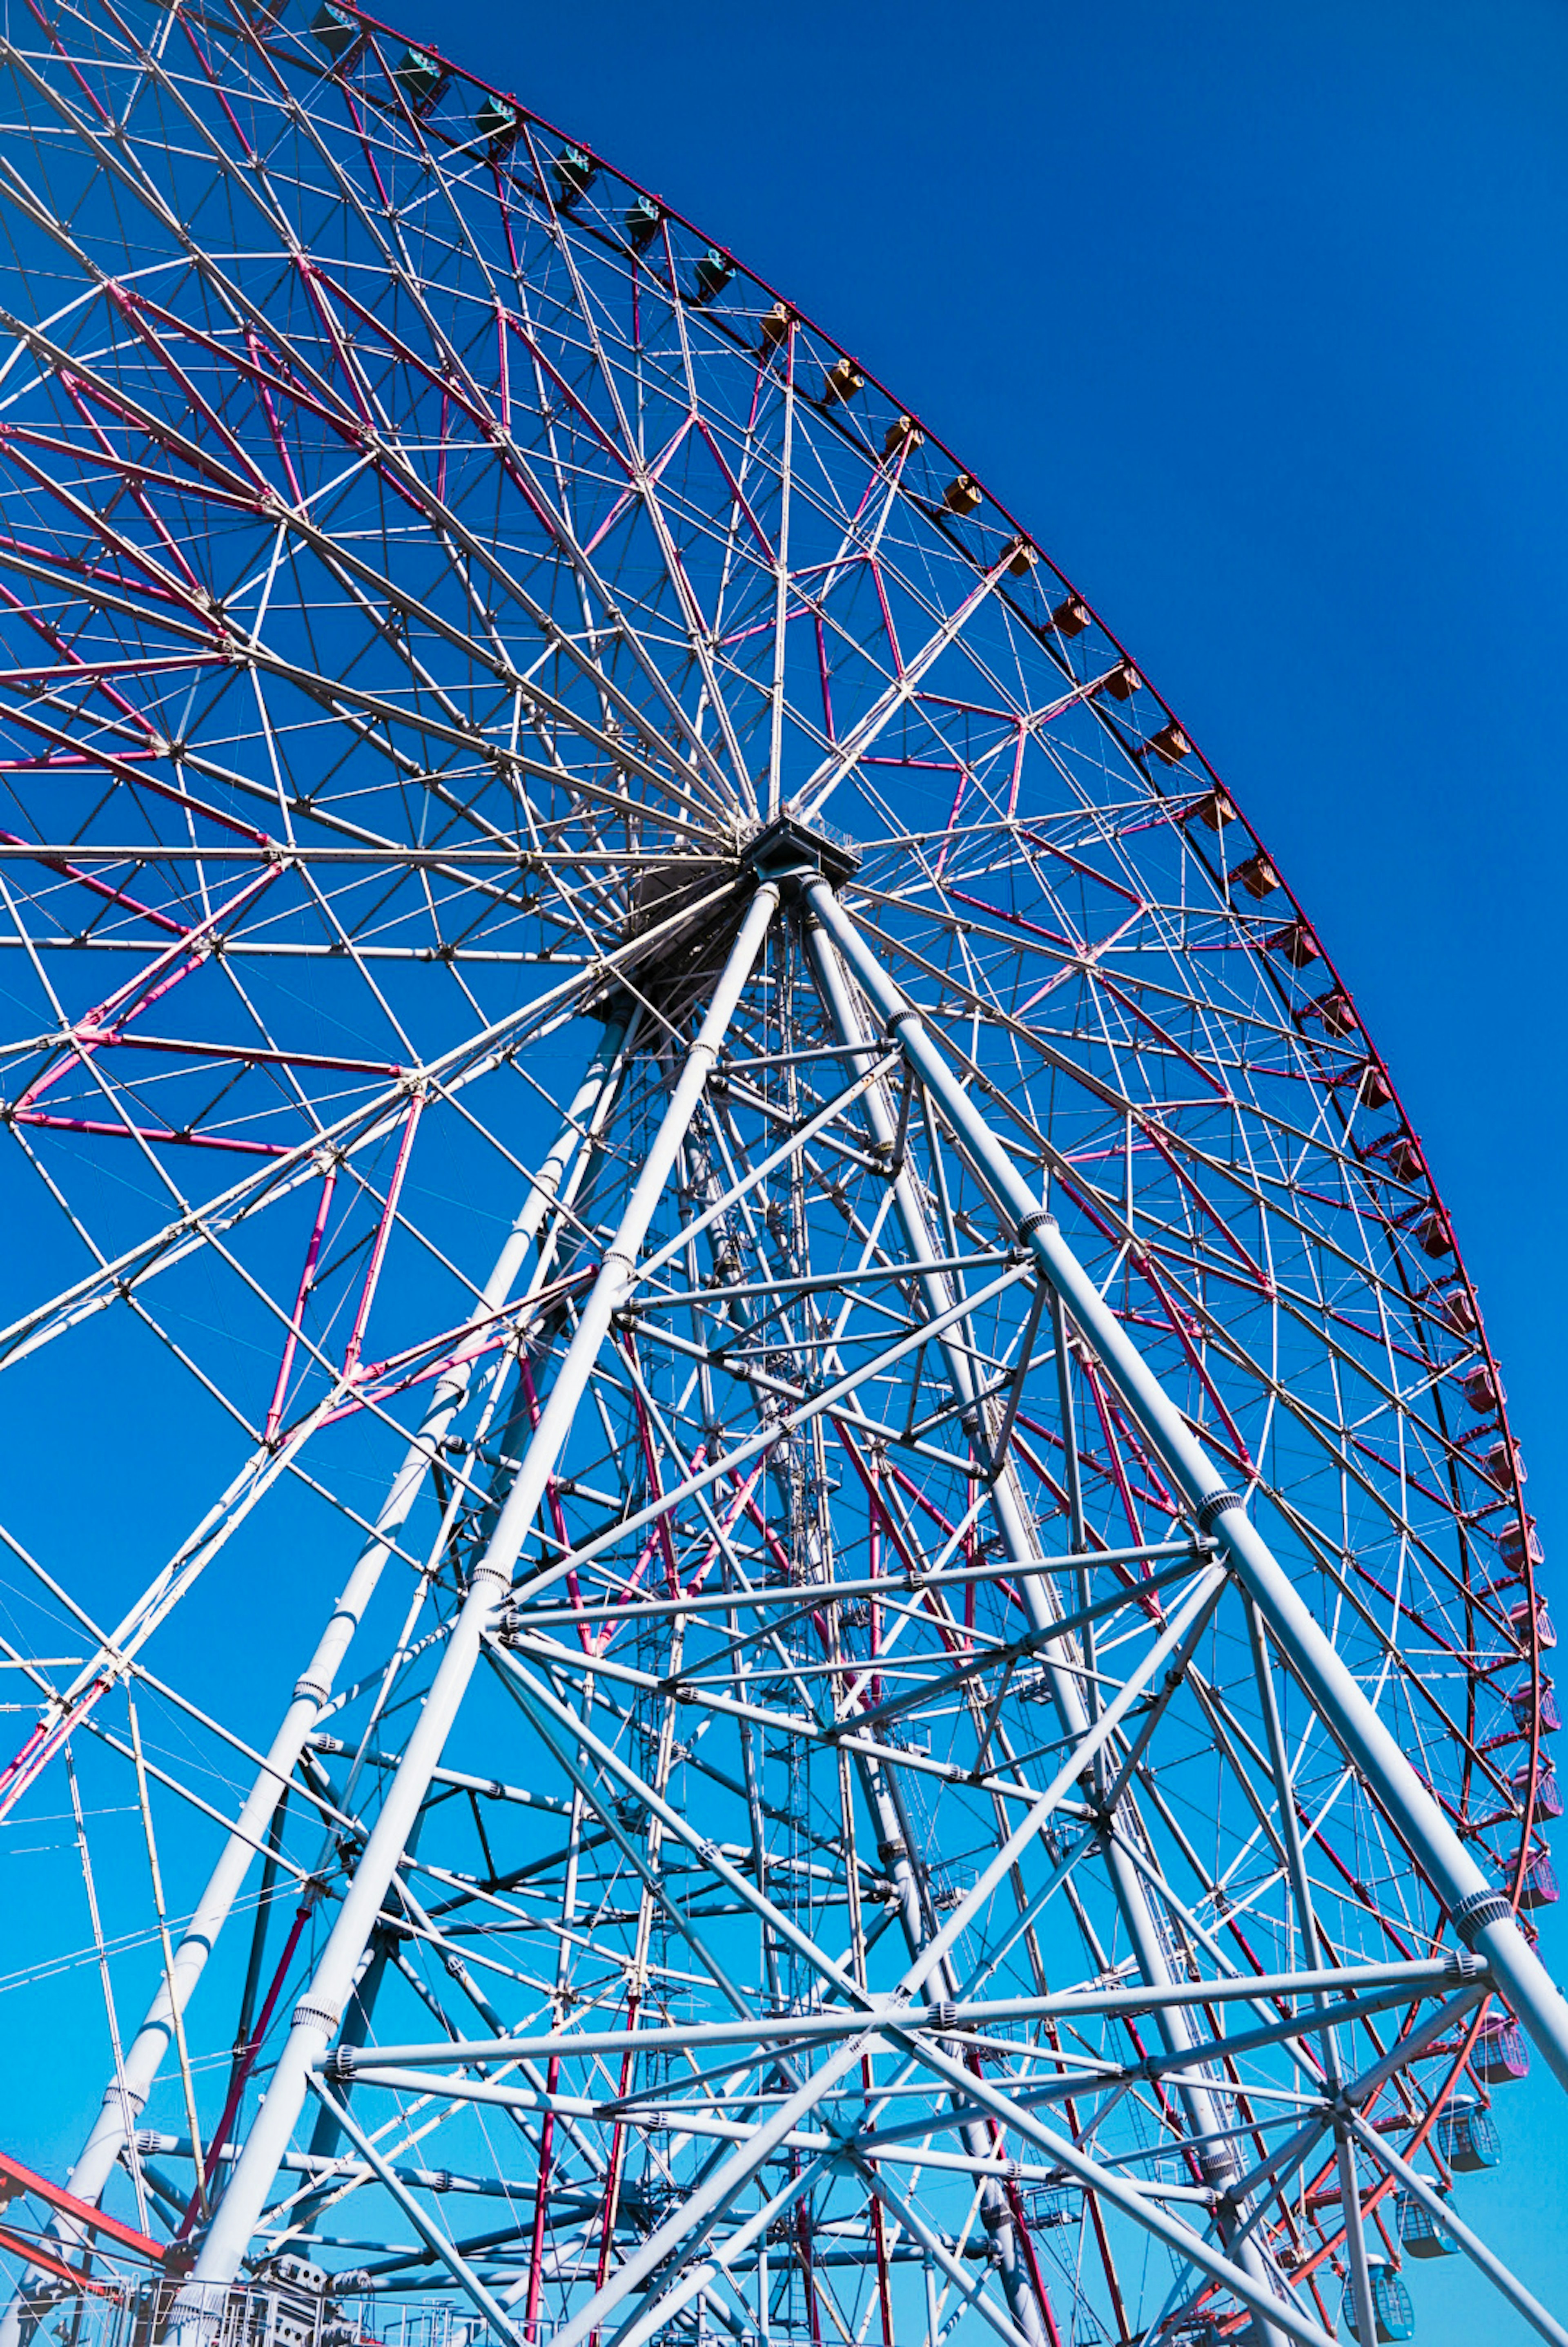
(324, 2017)
(1472, 1916)
(1208, 1510)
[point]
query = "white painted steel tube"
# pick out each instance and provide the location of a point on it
(882, 1792)
(144, 2057)
(1482, 1916)
(1148, 1930)
(316, 2015)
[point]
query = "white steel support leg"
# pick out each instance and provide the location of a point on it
(1482, 1915)
(937, 1293)
(880, 1790)
(1011, 1514)
(880, 1794)
(318, 2014)
(557, 1178)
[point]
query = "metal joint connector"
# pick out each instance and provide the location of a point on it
(306, 2015)
(1464, 1965)
(1041, 1219)
(1208, 1512)
(1473, 1915)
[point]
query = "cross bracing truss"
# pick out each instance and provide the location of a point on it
(758, 1512)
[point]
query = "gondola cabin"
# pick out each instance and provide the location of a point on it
(1466, 2136)
(1393, 2316)
(1421, 2234)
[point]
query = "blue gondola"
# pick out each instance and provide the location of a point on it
(1422, 2235)
(496, 123)
(1393, 2316)
(574, 174)
(1466, 2136)
(336, 30)
(643, 223)
(421, 79)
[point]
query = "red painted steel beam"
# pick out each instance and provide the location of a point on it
(23, 2179)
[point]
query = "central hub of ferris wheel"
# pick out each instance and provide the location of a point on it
(791, 847)
(681, 905)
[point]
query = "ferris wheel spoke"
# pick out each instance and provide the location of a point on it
(271, 386)
(358, 1129)
(622, 450)
(815, 792)
(1259, 1278)
(1413, 1681)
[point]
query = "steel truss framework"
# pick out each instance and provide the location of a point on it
(910, 1662)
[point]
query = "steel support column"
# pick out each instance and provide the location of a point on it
(316, 2015)
(1482, 1915)
(1148, 1931)
(557, 1177)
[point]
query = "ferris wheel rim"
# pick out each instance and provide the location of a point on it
(541, 123)
(529, 115)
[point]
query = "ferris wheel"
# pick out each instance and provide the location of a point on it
(763, 1569)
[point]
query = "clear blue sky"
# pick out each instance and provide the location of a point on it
(1257, 316)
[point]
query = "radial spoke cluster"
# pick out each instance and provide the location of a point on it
(473, 664)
